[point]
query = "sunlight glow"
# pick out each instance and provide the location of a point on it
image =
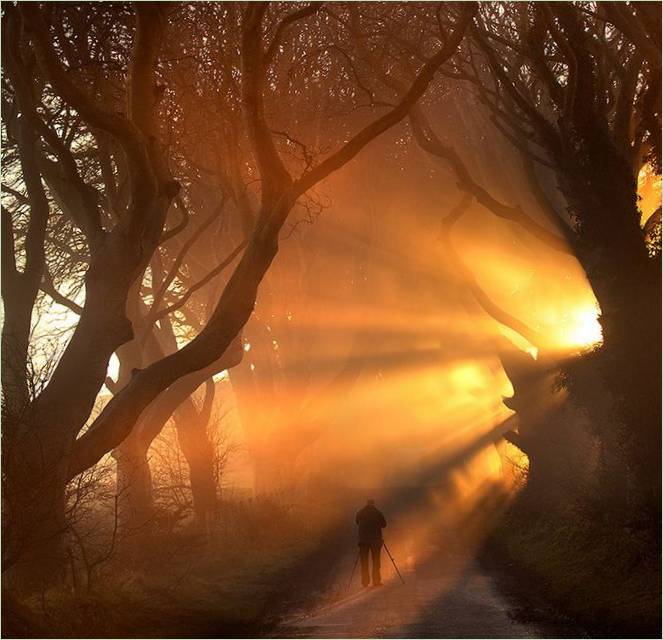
(584, 329)
(649, 191)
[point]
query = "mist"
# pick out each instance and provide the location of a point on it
(276, 275)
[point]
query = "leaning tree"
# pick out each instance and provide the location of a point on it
(45, 442)
(578, 90)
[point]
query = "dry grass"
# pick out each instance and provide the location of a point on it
(229, 586)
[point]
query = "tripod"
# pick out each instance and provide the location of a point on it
(354, 567)
(384, 544)
(352, 575)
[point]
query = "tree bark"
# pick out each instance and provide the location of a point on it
(34, 523)
(134, 490)
(193, 437)
(120, 256)
(41, 435)
(627, 285)
(556, 446)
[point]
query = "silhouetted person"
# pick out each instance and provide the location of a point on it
(371, 522)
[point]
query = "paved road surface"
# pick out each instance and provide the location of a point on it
(445, 596)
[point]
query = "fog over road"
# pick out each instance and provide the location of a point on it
(447, 593)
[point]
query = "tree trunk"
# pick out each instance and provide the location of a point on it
(194, 440)
(14, 353)
(34, 517)
(548, 433)
(150, 424)
(627, 284)
(134, 489)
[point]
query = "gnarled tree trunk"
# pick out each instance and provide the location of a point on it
(34, 519)
(194, 439)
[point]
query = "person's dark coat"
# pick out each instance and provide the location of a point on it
(371, 522)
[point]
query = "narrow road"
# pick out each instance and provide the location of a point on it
(435, 537)
(445, 595)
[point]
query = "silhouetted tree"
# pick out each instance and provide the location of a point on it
(584, 94)
(43, 442)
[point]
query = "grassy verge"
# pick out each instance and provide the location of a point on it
(236, 585)
(606, 581)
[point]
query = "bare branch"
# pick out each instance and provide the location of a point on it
(177, 262)
(467, 277)
(180, 226)
(59, 78)
(431, 143)
(274, 175)
(284, 24)
(48, 287)
(395, 115)
(200, 284)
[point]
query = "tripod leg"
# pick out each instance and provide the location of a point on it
(384, 544)
(352, 575)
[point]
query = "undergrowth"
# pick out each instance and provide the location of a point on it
(607, 579)
(180, 585)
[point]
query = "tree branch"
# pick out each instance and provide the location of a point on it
(618, 14)
(153, 315)
(286, 23)
(275, 177)
(200, 284)
(156, 415)
(50, 63)
(395, 115)
(180, 226)
(48, 287)
(429, 141)
(467, 277)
